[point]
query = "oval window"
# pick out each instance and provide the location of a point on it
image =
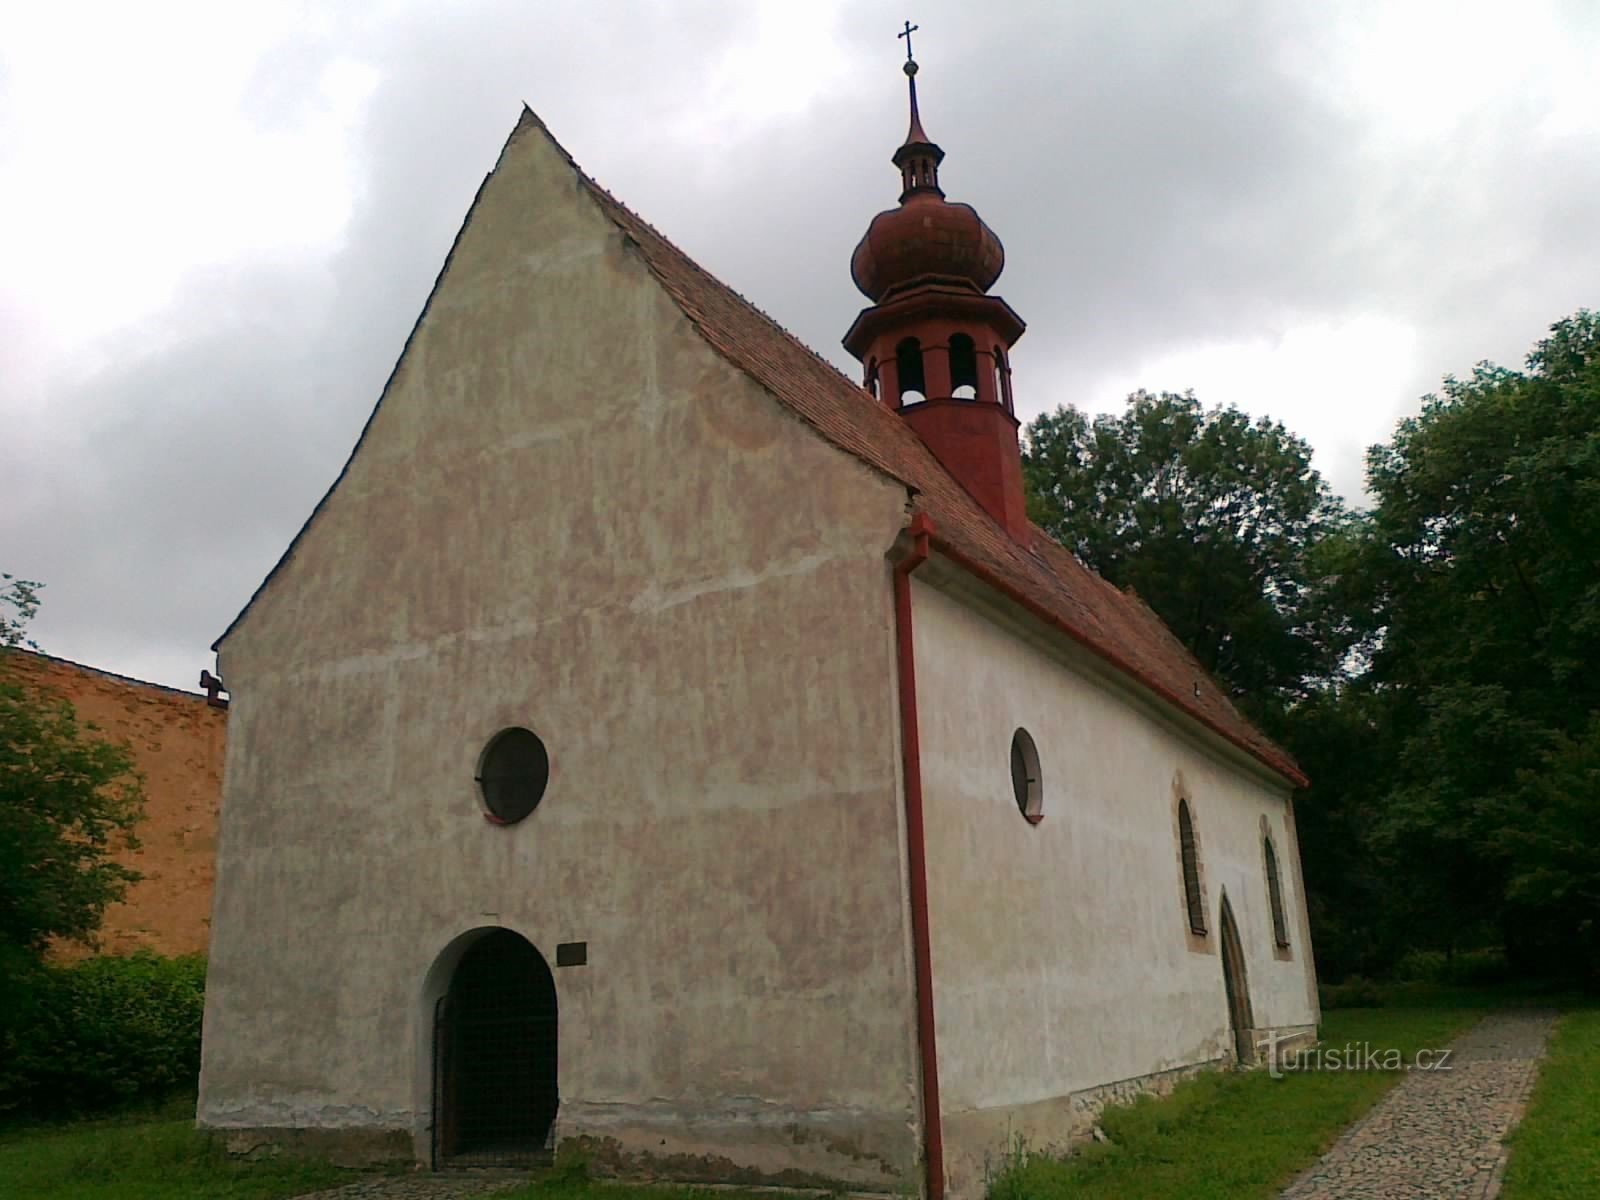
(513, 775)
(1025, 779)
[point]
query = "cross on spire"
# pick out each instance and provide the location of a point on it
(906, 33)
(923, 173)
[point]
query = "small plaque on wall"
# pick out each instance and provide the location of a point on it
(572, 954)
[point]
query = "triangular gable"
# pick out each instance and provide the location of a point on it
(1043, 577)
(527, 121)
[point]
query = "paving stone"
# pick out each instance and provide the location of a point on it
(1439, 1135)
(451, 1185)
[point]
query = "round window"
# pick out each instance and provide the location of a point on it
(1025, 783)
(513, 774)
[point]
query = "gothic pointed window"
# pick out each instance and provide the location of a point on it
(1280, 926)
(1189, 848)
(963, 367)
(908, 371)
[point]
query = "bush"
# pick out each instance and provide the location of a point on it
(1355, 992)
(103, 1032)
(1467, 968)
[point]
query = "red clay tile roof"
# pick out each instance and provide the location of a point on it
(1045, 578)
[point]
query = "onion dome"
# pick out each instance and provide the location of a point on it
(927, 239)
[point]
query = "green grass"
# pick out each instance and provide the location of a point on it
(143, 1156)
(1232, 1135)
(155, 1154)
(1555, 1152)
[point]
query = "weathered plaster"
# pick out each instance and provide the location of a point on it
(1061, 951)
(569, 513)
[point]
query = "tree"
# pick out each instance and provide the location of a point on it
(1483, 559)
(1220, 524)
(68, 799)
(21, 596)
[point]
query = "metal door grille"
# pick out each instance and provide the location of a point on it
(495, 1093)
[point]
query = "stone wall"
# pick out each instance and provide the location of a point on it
(177, 741)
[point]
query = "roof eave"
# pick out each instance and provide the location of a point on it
(932, 299)
(1280, 766)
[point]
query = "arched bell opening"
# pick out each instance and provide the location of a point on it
(494, 1051)
(963, 367)
(909, 373)
(1002, 380)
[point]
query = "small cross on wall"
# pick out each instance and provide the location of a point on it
(213, 689)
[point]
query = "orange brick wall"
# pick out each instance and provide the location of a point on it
(177, 740)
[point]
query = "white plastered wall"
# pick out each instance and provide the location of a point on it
(570, 514)
(1061, 955)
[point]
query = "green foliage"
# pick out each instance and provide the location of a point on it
(1483, 626)
(1218, 522)
(1429, 663)
(1555, 1151)
(1466, 968)
(68, 799)
(101, 1033)
(1228, 1135)
(21, 596)
(141, 1158)
(1355, 992)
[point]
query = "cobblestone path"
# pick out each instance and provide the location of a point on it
(1438, 1134)
(424, 1185)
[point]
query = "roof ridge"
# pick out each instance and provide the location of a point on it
(695, 266)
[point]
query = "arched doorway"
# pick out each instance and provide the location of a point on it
(494, 1056)
(1237, 986)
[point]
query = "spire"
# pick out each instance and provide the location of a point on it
(918, 157)
(935, 345)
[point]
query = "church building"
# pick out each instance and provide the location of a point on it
(659, 744)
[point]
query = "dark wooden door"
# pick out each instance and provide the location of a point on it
(445, 1138)
(495, 1055)
(1237, 986)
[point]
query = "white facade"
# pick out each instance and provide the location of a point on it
(570, 514)
(1062, 957)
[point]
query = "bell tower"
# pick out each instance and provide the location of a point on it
(935, 346)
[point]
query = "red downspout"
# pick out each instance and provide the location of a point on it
(921, 530)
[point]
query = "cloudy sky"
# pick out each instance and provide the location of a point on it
(219, 220)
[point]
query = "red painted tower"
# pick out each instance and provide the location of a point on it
(935, 345)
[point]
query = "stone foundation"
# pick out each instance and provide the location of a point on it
(979, 1142)
(817, 1152)
(810, 1150)
(876, 1155)
(1088, 1104)
(342, 1147)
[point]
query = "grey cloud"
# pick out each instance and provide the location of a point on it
(1159, 174)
